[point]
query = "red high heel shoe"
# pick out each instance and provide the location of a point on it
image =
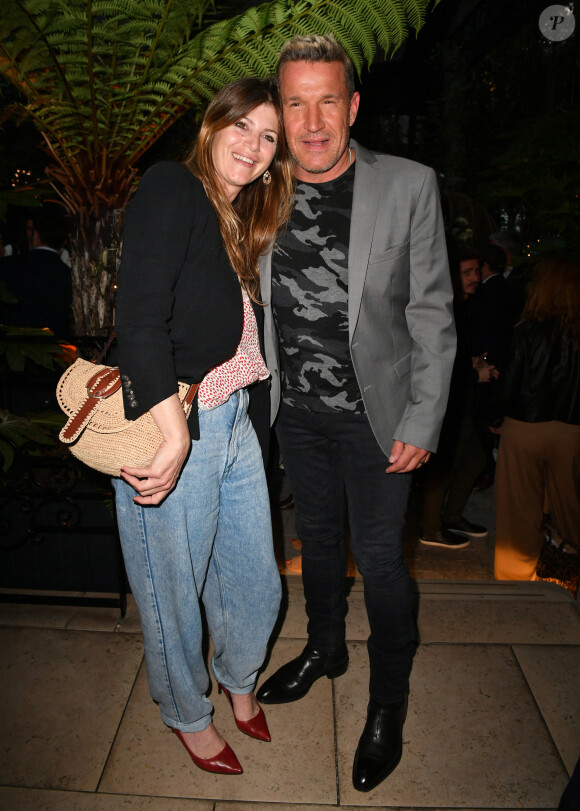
(256, 727)
(225, 762)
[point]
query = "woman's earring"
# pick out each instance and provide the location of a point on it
(267, 178)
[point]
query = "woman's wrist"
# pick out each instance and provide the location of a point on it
(170, 419)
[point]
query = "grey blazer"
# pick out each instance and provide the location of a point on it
(401, 330)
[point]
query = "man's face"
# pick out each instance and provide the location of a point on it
(317, 116)
(470, 276)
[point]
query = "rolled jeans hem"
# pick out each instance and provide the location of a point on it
(196, 726)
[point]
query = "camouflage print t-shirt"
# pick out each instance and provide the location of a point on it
(310, 299)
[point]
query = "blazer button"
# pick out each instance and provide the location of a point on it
(133, 403)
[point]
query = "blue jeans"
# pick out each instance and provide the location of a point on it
(209, 540)
(325, 454)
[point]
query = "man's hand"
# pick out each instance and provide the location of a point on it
(486, 373)
(405, 458)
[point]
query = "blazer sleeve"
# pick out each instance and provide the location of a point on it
(429, 316)
(156, 236)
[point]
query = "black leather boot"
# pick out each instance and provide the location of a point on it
(294, 679)
(381, 744)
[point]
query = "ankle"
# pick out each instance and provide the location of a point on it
(245, 706)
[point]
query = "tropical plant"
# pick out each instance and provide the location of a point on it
(103, 79)
(27, 434)
(19, 348)
(19, 344)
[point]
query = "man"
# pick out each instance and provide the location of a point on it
(511, 245)
(42, 297)
(460, 458)
(517, 270)
(360, 310)
(39, 279)
(469, 273)
(493, 313)
(496, 308)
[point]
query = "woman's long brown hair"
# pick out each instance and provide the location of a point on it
(248, 225)
(555, 294)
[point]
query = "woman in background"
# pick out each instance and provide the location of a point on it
(539, 451)
(195, 525)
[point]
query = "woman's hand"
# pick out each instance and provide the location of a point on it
(155, 482)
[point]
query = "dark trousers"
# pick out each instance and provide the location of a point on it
(325, 454)
(452, 472)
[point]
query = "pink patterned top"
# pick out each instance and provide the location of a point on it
(242, 369)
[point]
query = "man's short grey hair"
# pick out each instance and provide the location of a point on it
(316, 48)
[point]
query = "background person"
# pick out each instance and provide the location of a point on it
(195, 525)
(539, 451)
(494, 311)
(460, 457)
(39, 278)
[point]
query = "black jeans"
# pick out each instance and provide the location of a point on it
(325, 454)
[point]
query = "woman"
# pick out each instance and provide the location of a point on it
(195, 525)
(539, 451)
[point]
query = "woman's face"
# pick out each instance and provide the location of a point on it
(243, 151)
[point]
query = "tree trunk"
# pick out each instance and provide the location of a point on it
(96, 250)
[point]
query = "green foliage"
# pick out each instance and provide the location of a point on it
(505, 132)
(5, 295)
(27, 433)
(24, 196)
(537, 178)
(19, 344)
(103, 79)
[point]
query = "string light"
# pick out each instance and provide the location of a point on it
(21, 177)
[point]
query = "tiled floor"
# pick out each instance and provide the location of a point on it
(494, 713)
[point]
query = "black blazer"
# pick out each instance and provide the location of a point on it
(494, 310)
(179, 306)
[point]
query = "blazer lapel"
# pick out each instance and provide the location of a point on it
(365, 204)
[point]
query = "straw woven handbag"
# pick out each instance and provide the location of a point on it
(97, 432)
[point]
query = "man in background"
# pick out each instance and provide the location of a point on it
(38, 279)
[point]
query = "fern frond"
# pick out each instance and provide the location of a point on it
(104, 78)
